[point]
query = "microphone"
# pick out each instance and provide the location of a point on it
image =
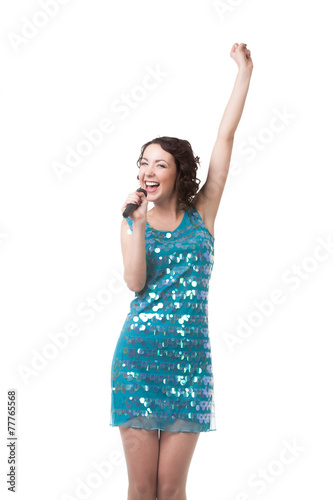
(132, 206)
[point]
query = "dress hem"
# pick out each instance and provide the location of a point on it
(159, 428)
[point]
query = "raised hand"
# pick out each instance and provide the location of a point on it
(242, 56)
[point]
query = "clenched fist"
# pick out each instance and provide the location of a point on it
(242, 56)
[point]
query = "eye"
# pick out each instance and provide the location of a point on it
(160, 165)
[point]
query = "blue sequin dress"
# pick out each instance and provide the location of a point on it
(161, 372)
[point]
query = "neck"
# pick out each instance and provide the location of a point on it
(169, 212)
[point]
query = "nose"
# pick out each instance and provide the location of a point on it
(149, 171)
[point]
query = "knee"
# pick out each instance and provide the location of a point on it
(142, 490)
(168, 491)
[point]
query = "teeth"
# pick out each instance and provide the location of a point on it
(152, 184)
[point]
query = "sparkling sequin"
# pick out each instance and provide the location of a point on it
(161, 372)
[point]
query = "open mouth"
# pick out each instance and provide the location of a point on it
(151, 189)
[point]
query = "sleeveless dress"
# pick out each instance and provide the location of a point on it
(161, 371)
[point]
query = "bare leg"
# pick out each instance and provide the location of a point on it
(176, 451)
(141, 448)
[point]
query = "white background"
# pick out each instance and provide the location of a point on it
(60, 236)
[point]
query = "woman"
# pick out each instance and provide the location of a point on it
(161, 376)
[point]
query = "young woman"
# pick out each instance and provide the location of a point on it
(161, 375)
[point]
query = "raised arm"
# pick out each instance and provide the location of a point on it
(208, 198)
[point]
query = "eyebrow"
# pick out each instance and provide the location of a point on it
(156, 160)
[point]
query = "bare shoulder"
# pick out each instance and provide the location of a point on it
(125, 228)
(199, 203)
(125, 236)
(124, 223)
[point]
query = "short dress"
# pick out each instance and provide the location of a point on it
(161, 371)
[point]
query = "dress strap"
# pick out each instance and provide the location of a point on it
(130, 223)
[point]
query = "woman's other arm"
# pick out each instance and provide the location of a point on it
(133, 246)
(209, 196)
(235, 106)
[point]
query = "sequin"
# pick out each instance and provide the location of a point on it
(161, 371)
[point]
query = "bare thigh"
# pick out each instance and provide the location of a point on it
(141, 448)
(176, 451)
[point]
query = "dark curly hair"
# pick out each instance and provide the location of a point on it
(186, 183)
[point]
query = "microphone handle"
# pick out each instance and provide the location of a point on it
(132, 206)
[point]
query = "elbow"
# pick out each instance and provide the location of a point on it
(227, 136)
(136, 289)
(134, 286)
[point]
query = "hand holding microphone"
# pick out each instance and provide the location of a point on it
(136, 203)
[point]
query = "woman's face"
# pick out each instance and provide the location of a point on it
(158, 166)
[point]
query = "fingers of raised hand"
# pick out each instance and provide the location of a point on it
(240, 46)
(240, 49)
